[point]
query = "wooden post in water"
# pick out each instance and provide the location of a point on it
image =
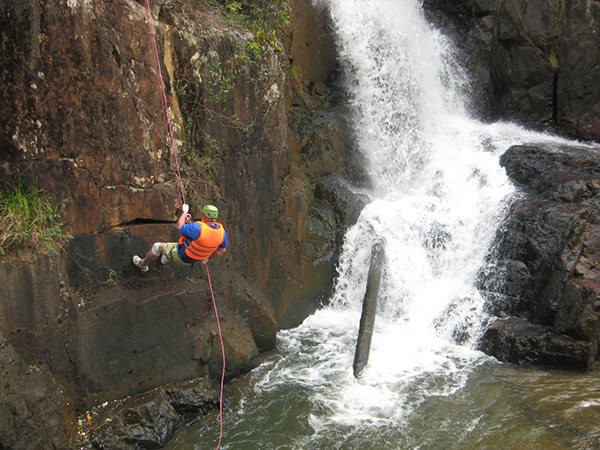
(367, 320)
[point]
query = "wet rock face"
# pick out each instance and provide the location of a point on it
(347, 204)
(535, 63)
(82, 120)
(547, 256)
(313, 48)
(518, 341)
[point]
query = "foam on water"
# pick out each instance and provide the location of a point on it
(438, 196)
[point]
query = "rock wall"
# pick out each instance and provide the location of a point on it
(544, 272)
(534, 62)
(34, 412)
(260, 134)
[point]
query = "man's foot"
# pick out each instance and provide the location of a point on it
(164, 260)
(137, 262)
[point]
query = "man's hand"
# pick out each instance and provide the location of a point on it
(184, 217)
(180, 210)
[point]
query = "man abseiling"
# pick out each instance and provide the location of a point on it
(198, 242)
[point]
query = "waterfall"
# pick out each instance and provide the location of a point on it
(438, 195)
(438, 191)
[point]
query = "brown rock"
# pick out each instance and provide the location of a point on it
(34, 411)
(82, 120)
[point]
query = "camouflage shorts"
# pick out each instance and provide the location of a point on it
(170, 251)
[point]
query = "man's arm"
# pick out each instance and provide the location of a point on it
(184, 215)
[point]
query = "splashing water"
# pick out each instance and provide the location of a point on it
(438, 196)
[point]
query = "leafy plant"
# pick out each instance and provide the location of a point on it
(234, 7)
(255, 50)
(28, 218)
(284, 17)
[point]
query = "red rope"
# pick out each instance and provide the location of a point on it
(173, 152)
(174, 158)
(223, 356)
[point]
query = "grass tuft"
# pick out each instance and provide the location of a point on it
(28, 219)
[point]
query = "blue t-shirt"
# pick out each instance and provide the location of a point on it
(192, 232)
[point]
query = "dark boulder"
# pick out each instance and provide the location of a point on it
(347, 204)
(148, 420)
(518, 341)
(143, 423)
(562, 173)
(546, 256)
(193, 397)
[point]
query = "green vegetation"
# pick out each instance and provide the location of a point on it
(255, 49)
(234, 7)
(220, 83)
(28, 219)
(260, 15)
(265, 19)
(295, 73)
(257, 16)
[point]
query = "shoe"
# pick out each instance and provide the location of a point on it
(164, 260)
(137, 262)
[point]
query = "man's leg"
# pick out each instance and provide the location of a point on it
(151, 256)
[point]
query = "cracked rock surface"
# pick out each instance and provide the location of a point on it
(546, 259)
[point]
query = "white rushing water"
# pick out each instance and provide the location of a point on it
(438, 196)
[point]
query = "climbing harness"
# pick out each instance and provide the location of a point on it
(174, 158)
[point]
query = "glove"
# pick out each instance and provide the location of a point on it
(185, 208)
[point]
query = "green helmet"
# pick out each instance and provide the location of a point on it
(210, 211)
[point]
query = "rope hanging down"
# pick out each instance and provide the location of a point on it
(223, 356)
(173, 152)
(174, 158)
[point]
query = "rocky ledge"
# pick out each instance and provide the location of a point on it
(148, 420)
(546, 259)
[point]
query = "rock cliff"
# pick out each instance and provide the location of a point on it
(531, 62)
(254, 105)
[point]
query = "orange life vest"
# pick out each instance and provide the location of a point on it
(209, 240)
